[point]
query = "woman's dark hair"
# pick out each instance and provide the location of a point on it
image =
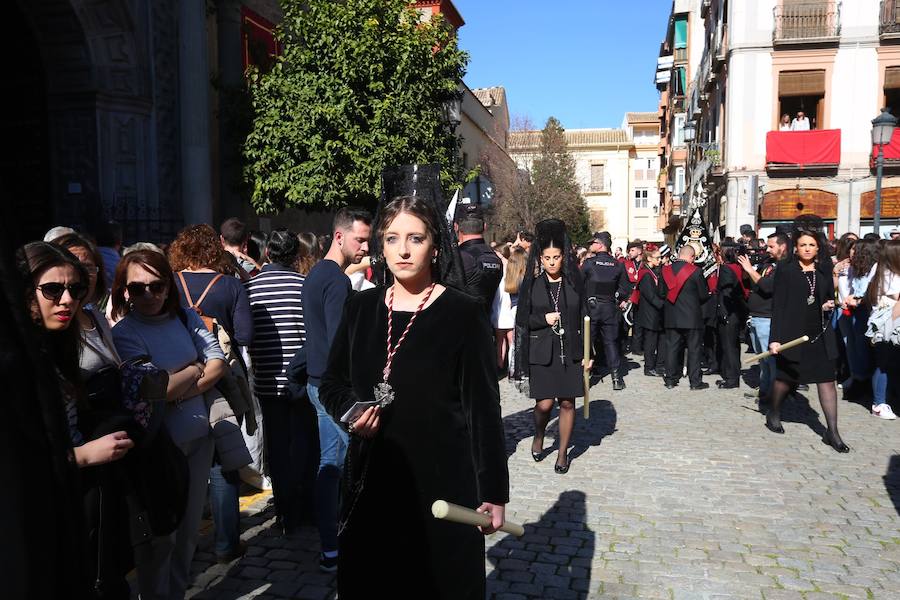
(32, 261)
(256, 246)
(75, 240)
(155, 264)
(864, 256)
(888, 262)
(845, 243)
(729, 252)
(283, 247)
(199, 247)
(309, 249)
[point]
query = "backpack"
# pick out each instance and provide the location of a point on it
(234, 385)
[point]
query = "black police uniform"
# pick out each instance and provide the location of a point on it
(606, 284)
(484, 270)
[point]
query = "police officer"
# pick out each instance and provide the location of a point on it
(483, 267)
(607, 288)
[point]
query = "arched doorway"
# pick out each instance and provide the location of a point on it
(25, 152)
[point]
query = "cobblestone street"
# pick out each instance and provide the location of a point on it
(671, 494)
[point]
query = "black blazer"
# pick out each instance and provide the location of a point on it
(789, 307)
(650, 307)
(687, 312)
(730, 299)
(542, 347)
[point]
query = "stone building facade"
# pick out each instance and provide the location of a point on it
(115, 112)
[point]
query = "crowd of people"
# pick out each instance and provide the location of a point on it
(305, 359)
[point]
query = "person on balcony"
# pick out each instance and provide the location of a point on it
(785, 124)
(801, 123)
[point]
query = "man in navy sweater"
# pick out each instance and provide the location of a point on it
(324, 292)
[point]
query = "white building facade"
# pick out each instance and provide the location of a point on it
(835, 62)
(616, 169)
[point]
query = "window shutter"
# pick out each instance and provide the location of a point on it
(597, 175)
(892, 78)
(801, 83)
(681, 33)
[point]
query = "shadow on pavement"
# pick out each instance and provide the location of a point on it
(552, 559)
(520, 426)
(892, 481)
(273, 566)
(797, 409)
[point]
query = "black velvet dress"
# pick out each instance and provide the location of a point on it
(441, 438)
(793, 317)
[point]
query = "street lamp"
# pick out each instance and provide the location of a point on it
(882, 131)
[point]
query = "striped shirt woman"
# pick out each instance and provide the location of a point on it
(276, 304)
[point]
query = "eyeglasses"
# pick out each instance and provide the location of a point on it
(53, 291)
(136, 289)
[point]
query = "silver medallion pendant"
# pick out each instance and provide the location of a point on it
(810, 300)
(384, 394)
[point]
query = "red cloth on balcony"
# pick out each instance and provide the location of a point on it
(804, 148)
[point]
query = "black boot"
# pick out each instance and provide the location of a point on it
(618, 382)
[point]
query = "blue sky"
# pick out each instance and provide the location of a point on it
(586, 62)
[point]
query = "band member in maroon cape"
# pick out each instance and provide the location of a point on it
(685, 291)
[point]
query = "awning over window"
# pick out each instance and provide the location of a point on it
(819, 148)
(681, 32)
(892, 78)
(801, 83)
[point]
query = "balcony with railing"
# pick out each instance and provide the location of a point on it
(816, 150)
(889, 22)
(807, 23)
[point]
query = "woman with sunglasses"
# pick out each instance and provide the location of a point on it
(60, 288)
(106, 509)
(153, 324)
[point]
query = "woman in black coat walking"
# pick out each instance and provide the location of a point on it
(802, 305)
(549, 322)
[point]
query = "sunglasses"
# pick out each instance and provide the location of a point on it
(54, 291)
(136, 289)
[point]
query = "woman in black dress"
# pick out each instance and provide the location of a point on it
(550, 317)
(424, 350)
(802, 305)
(649, 317)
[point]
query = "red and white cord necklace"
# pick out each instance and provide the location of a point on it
(384, 393)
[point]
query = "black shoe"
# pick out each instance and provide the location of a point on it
(652, 373)
(618, 382)
(709, 371)
(802, 388)
(775, 428)
(671, 384)
(537, 456)
(700, 386)
(727, 385)
(562, 469)
(837, 444)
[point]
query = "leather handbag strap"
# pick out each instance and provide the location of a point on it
(187, 293)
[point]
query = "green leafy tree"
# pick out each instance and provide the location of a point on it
(547, 190)
(361, 85)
